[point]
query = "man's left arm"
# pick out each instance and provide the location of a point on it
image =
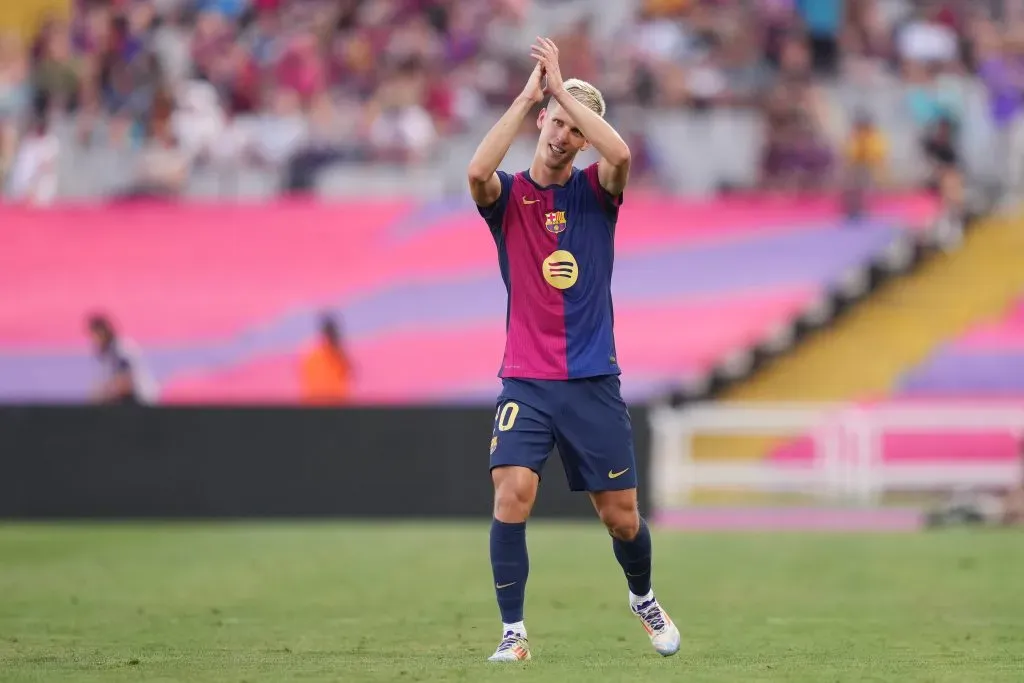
(613, 168)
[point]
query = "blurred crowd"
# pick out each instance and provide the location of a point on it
(301, 83)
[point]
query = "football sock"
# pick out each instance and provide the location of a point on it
(635, 558)
(510, 565)
(518, 627)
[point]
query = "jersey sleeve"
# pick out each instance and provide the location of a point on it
(609, 202)
(495, 213)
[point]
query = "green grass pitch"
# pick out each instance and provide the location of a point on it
(277, 602)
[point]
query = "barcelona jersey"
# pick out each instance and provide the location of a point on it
(556, 251)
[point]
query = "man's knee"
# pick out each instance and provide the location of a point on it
(515, 490)
(622, 524)
(620, 516)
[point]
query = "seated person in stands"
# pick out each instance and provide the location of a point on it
(164, 167)
(796, 157)
(866, 155)
(945, 176)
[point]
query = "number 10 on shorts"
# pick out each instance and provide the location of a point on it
(506, 416)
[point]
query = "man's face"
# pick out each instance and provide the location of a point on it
(560, 139)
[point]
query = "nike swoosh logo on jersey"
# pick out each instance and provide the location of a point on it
(530, 201)
(616, 475)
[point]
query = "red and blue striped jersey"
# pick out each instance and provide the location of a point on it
(556, 253)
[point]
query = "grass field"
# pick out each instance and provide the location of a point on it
(354, 603)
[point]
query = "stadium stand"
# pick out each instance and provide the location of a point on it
(945, 338)
(982, 368)
(413, 281)
(203, 98)
(985, 362)
(754, 129)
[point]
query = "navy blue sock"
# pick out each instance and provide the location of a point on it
(635, 558)
(510, 565)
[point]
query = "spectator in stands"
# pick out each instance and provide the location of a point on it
(401, 129)
(798, 156)
(197, 121)
(867, 149)
(332, 138)
(945, 173)
(866, 156)
(823, 21)
(929, 37)
(123, 379)
(169, 42)
(14, 97)
(326, 370)
(422, 71)
(164, 167)
(34, 174)
(865, 36)
(1003, 77)
(744, 62)
(58, 73)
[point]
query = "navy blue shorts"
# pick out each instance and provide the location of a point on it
(585, 418)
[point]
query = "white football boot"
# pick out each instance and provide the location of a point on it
(663, 633)
(513, 648)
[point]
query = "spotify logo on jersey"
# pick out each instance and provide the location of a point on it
(561, 270)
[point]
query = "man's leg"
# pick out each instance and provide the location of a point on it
(631, 538)
(515, 490)
(520, 445)
(595, 440)
(631, 543)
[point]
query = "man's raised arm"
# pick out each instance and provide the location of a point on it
(484, 185)
(613, 168)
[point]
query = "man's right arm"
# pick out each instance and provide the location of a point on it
(484, 185)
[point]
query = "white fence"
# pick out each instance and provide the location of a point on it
(847, 444)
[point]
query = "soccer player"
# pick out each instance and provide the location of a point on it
(554, 227)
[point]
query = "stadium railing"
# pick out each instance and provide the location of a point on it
(838, 453)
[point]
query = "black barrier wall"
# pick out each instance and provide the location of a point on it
(132, 462)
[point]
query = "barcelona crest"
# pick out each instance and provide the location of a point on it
(554, 221)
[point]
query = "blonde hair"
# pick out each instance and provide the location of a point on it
(586, 94)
